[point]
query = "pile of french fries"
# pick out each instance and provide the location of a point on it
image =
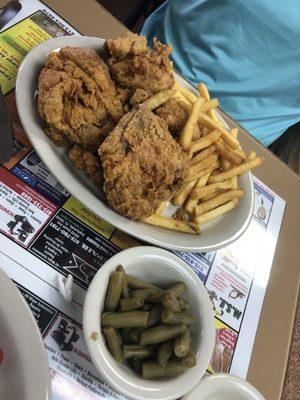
(216, 159)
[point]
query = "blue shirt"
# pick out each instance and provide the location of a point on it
(247, 52)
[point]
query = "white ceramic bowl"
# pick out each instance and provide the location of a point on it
(216, 234)
(223, 387)
(162, 268)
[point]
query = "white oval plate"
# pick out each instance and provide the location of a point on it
(162, 268)
(216, 234)
(223, 387)
(24, 373)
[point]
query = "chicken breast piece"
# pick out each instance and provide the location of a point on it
(77, 98)
(142, 164)
(136, 66)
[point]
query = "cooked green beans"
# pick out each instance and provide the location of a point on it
(147, 326)
(189, 360)
(135, 283)
(170, 318)
(125, 292)
(145, 294)
(113, 343)
(125, 319)
(114, 291)
(170, 302)
(131, 304)
(161, 333)
(182, 344)
(152, 370)
(164, 352)
(134, 351)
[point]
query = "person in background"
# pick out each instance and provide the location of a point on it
(248, 55)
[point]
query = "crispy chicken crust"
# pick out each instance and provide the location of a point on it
(142, 164)
(136, 66)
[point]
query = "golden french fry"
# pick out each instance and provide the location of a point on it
(160, 209)
(234, 184)
(187, 133)
(209, 105)
(234, 132)
(203, 154)
(199, 193)
(202, 89)
(225, 164)
(183, 193)
(170, 223)
(191, 204)
(186, 93)
(226, 136)
(251, 156)
(237, 170)
(216, 212)
(205, 141)
(180, 97)
(212, 195)
(203, 164)
(218, 200)
(158, 99)
(227, 153)
(199, 175)
(213, 116)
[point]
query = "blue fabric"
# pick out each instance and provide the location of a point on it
(247, 52)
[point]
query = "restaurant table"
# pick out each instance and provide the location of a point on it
(271, 348)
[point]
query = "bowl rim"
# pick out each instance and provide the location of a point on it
(55, 163)
(92, 307)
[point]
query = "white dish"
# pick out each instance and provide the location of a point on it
(216, 234)
(24, 372)
(163, 268)
(223, 387)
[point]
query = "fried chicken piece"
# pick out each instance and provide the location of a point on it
(139, 96)
(134, 65)
(142, 164)
(175, 114)
(86, 161)
(77, 98)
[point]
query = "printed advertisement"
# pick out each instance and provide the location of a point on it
(45, 234)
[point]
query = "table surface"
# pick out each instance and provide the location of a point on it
(271, 347)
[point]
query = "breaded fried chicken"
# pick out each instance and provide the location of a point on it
(142, 164)
(86, 161)
(134, 65)
(175, 114)
(77, 98)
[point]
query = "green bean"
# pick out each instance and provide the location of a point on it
(125, 319)
(113, 343)
(136, 365)
(170, 302)
(189, 360)
(184, 305)
(135, 283)
(165, 351)
(125, 292)
(170, 318)
(114, 291)
(145, 294)
(125, 335)
(135, 335)
(147, 306)
(177, 290)
(182, 344)
(152, 370)
(131, 304)
(118, 333)
(134, 351)
(154, 315)
(161, 333)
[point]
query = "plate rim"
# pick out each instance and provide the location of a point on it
(69, 187)
(16, 298)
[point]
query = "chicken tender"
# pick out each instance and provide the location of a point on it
(136, 66)
(142, 164)
(77, 98)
